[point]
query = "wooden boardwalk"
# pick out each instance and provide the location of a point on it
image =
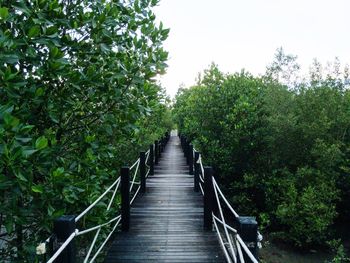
(167, 221)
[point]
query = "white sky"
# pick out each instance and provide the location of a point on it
(238, 34)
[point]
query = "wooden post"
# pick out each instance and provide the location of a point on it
(190, 159)
(156, 150)
(160, 146)
(196, 171)
(208, 197)
(143, 171)
(188, 152)
(63, 227)
(248, 230)
(151, 159)
(159, 149)
(125, 198)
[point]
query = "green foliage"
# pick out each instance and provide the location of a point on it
(308, 207)
(280, 151)
(338, 249)
(78, 99)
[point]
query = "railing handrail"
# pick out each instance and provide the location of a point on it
(97, 200)
(236, 244)
(115, 186)
(224, 198)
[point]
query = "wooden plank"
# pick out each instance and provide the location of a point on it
(166, 222)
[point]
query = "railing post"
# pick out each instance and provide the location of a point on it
(208, 197)
(156, 150)
(160, 145)
(125, 198)
(63, 227)
(151, 159)
(187, 151)
(184, 143)
(190, 159)
(143, 171)
(248, 230)
(196, 171)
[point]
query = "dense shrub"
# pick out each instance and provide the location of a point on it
(280, 151)
(78, 99)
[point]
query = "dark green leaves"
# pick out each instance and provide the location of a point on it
(73, 106)
(280, 153)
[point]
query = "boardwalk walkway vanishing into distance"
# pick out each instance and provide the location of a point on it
(169, 205)
(166, 223)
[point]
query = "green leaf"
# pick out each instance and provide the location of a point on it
(37, 189)
(51, 30)
(58, 213)
(41, 143)
(105, 48)
(58, 172)
(5, 109)
(54, 52)
(34, 31)
(137, 6)
(4, 12)
(39, 92)
(11, 120)
(11, 59)
(165, 32)
(20, 176)
(89, 138)
(154, 2)
(22, 139)
(54, 116)
(28, 152)
(9, 75)
(50, 210)
(27, 128)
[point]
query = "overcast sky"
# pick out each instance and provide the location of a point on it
(238, 34)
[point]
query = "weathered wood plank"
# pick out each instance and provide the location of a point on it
(167, 221)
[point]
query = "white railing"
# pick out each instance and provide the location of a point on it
(230, 241)
(114, 187)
